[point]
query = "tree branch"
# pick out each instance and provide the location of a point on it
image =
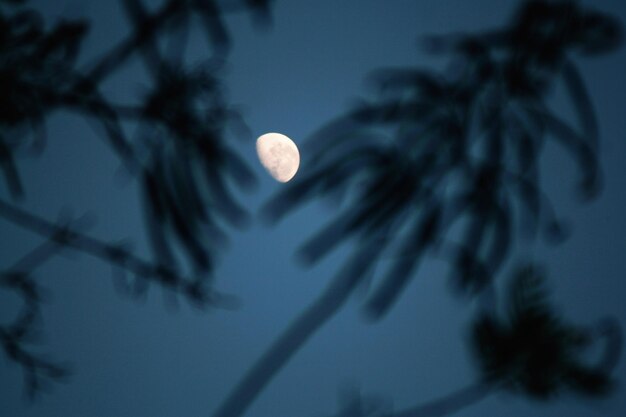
(112, 254)
(297, 334)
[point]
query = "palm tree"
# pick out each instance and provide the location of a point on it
(445, 163)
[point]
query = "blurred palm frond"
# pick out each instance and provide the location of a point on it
(450, 161)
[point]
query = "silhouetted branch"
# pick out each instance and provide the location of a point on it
(192, 288)
(142, 34)
(11, 174)
(14, 337)
(38, 369)
(298, 333)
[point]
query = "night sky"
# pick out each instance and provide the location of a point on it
(141, 358)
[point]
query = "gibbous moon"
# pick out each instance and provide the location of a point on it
(278, 155)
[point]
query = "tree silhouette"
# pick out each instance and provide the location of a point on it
(180, 156)
(533, 351)
(432, 151)
(435, 163)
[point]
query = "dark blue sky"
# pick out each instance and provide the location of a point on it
(139, 359)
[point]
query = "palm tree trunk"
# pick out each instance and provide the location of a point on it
(298, 332)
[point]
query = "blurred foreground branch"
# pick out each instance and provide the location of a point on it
(180, 151)
(447, 164)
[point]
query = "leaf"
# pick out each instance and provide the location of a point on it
(156, 219)
(213, 25)
(582, 102)
(581, 150)
(9, 169)
(424, 234)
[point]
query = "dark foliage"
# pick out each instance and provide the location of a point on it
(185, 181)
(449, 162)
(36, 70)
(532, 350)
(529, 349)
(182, 156)
(20, 338)
(24, 330)
(434, 162)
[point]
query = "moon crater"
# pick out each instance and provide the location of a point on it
(278, 155)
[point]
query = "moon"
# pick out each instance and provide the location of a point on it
(278, 155)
